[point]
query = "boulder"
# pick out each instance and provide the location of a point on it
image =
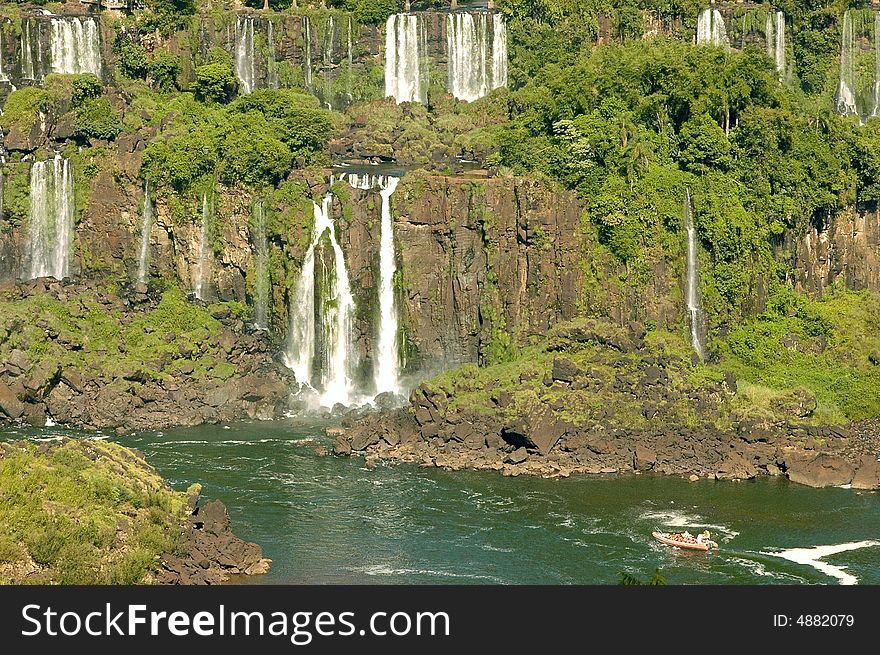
(18, 362)
(644, 458)
(518, 456)
(539, 430)
(565, 370)
(867, 475)
(341, 447)
(820, 471)
(10, 405)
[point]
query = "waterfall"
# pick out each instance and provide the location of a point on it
(2, 184)
(307, 52)
(386, 368)
(405, 51)
(711, 29)
(273, 64)
(780, 43)
(203, 265)
(774, 33)
(261, 266)
(499, 51)
(693, 280)
(876, 110)
(75, 46)
(244, 52)
(28, 72)
(468, 47)
(336, 314)
(846, 97)
(50, 232)
(146, 226)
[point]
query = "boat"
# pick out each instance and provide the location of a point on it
(678, 540)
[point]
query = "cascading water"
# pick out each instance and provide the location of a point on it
(75, 46)
(499, 51)
(386, 368)
(203, 265)
(3, 76)
(146, 227)
(261, 266)
(307, 52)
(876, 109)
(337, 311)
(846, 96)
(774, 33)
(244, 53)
(2, 184)
(711, 29)
(697, 318)
(28, 71)
(468, 46)
(405, 50)
(50, 231)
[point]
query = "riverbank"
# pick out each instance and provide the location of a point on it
(90, 356)
(595, 397)
(94, 512)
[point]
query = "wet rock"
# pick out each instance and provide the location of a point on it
(10, 405)
(341, 447)
(644, 458)
(867, 476)
(539, 430)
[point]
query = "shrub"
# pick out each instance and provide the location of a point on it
(97, 119)
(215, 82)
(164, 70)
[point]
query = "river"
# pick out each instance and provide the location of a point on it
(332, 520)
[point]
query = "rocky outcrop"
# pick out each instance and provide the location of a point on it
(77, 383)
(212, 553)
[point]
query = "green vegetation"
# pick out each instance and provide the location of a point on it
(83, 512)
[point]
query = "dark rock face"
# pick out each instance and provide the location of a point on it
(213, 552)
(821, 471)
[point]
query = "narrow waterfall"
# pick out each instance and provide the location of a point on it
(774, 33)
(244, 52)
(75, 46)
(50, 231)
(405, 52)
(307, 52)
(336, 314)
(203, 265)
(146, 227)
(468, 46)
(261, 267)
(386, 367)
(28, 71)
(499, 51)
(711, 29)
(697, 317)
(876, 109)
(273, 62)
(2, 185)
(846, 96)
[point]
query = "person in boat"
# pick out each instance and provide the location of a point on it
(686, 536)
(703, 537)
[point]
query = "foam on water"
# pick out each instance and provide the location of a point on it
(673, 518)
(813, 557)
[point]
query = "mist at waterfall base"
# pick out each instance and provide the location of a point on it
(332, 520)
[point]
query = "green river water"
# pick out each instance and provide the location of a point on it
(331, 520)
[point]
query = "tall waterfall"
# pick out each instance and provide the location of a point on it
(50, 231)
(28, 69)
(2, 184)
(405, 55)
(386, 368)
(846, 96)
(471, 73)
(75, 46)
(146, 227)
(203, 265)
(711, 29)
(876, 110)
(261, 267)
(697, 317)
(307, 52)
(244, 52)
(336, 314)
(775, 37)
